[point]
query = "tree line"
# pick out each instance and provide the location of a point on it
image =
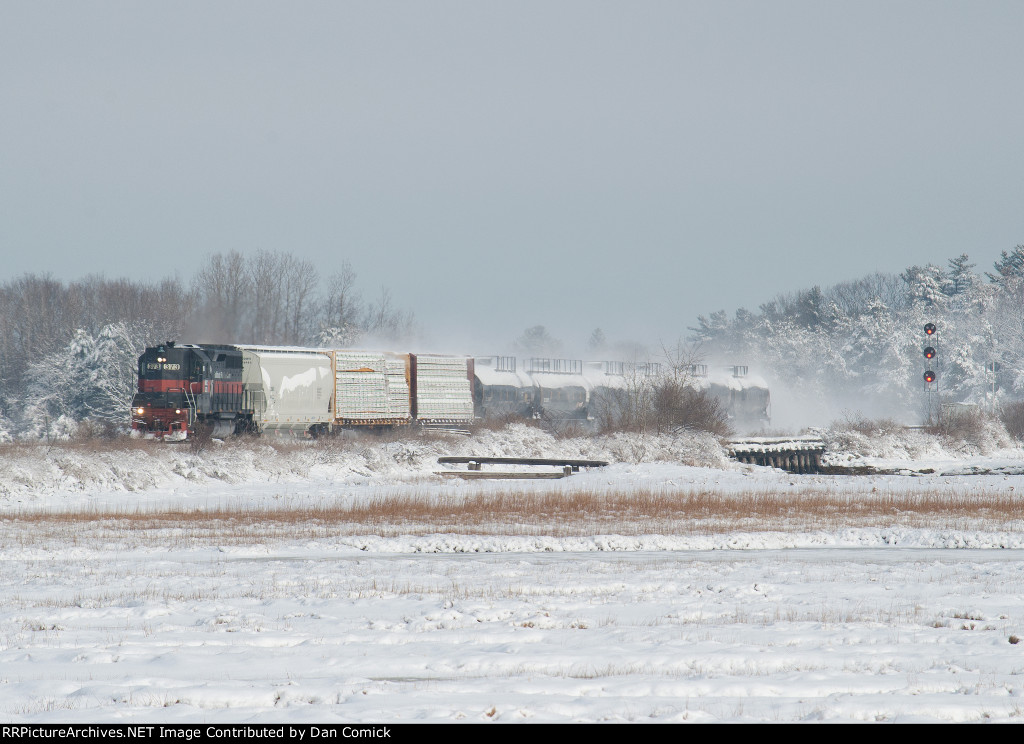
(68, 350)
(865, 337)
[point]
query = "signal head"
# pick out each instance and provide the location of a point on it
(929, 352)
(929, 329)
(929, 376)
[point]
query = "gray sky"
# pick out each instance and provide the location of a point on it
(498, 165)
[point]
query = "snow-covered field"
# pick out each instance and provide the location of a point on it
(350, 583)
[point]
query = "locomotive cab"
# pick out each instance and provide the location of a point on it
(161, 406)
(182, 387)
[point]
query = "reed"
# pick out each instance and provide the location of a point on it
(569, 513)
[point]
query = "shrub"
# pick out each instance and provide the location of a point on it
(962, 423)
(861, 424)
(663, 405)
(678, 407)
(970, 426)
(96, 428)
(1012, 416)
(200, 438)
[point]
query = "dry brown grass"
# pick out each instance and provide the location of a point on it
(85, 444)
(572, 514)
(868, 427)
(498, 421)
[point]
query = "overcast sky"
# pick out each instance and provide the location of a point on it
(627, 165)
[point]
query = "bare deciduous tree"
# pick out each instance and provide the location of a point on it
(222, 289)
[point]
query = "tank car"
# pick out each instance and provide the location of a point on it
(596, 391)
(613, 384)
(552, 389)
(501, 389)
(562, 391)
(744, 397)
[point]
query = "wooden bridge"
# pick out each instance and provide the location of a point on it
(795, 454)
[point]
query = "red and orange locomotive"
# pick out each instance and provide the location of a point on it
(183, 387)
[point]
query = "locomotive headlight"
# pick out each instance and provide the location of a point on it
(177, 410)
(140, 411)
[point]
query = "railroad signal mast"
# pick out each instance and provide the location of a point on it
(992, 368)
(933, 406)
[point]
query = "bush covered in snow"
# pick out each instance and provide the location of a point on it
(960, 432)
(1012, 416)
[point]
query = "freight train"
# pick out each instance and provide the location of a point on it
(235, 389)
(232, 389)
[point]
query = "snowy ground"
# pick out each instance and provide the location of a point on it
(228, 611)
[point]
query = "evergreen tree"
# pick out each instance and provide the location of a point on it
(960, 276)
(1009, 268)
(712, 329)
(927, 285)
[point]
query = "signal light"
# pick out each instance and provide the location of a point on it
(929, 376)
(929, 329)
(929, 352)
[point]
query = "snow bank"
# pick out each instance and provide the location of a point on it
(880, 537)
(35, 470)
(887, 445)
